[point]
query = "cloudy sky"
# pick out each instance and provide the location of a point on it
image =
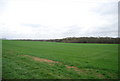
(50, 19)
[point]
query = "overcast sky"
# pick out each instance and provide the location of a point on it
(50, 19)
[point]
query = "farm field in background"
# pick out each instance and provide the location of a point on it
(51, 60)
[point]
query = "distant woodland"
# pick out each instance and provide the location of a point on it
(108, 40)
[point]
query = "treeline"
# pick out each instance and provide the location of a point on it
(88, 40)
(108, 40)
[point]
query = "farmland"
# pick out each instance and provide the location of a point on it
(51, 60)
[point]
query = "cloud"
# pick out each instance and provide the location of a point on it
(44, 19)
(32, 25)
(105, 31)
(109, 8)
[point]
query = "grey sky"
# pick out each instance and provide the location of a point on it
(49, 19)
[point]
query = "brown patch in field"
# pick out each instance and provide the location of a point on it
(51, 63)
(100, 75)
(83, 71)
(75, 68)
(40, 59)
(45, 60)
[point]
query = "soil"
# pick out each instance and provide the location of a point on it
(41, 59)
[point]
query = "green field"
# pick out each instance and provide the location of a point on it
(50, 60)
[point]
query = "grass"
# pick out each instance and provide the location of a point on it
(93, 61)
